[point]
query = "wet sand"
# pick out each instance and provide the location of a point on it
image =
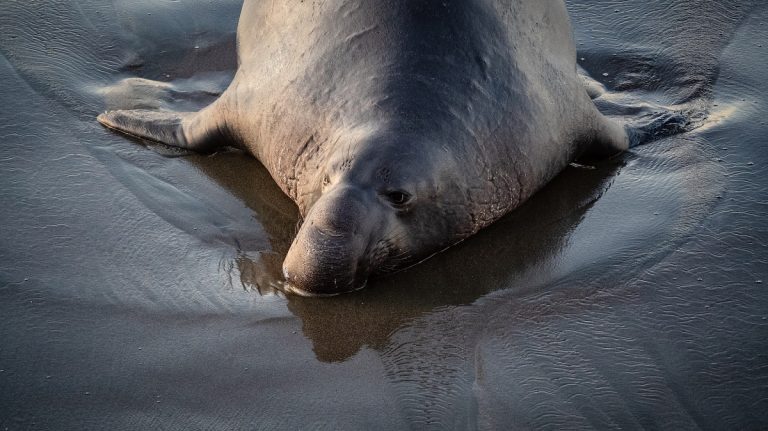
(137, 290)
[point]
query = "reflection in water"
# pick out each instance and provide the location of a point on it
(247, 180)
(516, 248)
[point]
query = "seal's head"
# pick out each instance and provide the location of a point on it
(381, 205)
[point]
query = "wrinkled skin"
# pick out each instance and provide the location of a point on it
(399, 128)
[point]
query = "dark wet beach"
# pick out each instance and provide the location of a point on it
(137, 291)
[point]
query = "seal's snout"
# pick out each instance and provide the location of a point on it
(326, 258)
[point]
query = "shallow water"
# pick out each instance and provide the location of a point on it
(137, 290)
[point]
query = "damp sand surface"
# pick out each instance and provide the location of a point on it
(137, 290)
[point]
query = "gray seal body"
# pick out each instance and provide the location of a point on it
(399, 128)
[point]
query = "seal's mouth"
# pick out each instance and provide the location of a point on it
(290, 289)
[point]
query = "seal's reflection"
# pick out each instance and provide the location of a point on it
(515, 252)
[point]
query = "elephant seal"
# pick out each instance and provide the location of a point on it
(399, 128)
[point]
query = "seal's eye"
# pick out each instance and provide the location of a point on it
(398, 198)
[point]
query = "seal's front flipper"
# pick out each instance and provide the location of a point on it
(615, 134)
(654, 125)
(189, 130)
(632, 114)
